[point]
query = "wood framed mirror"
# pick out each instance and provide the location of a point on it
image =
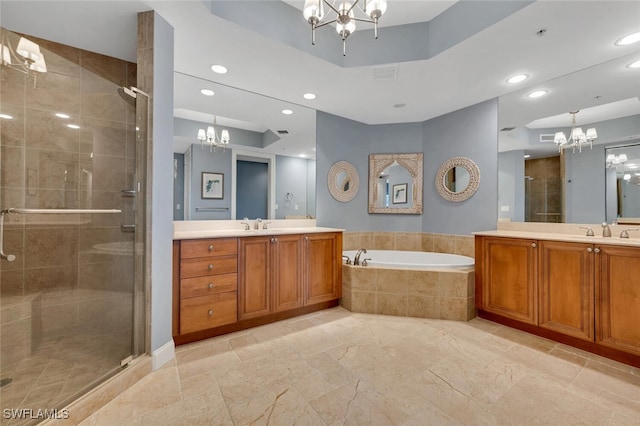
(395, 183)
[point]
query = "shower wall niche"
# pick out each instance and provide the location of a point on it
(68, 141)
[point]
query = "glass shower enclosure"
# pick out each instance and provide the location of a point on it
(71, 294)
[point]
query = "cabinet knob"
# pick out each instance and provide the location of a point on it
(210, 285)
(274, 239)
(210, 266)
(597, 250)
(589, 250)
(210, 247)
(210, 312)
(534, 245)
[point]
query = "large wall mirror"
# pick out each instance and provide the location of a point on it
(537, 183)
(268, 168)
(395, 183)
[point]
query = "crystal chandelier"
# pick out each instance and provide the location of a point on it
(345, 18)
(577, 137)
(210, 137)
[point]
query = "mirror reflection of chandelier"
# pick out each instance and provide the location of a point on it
(577, 137)
(210, 137)
(345, 18)
(613, 160)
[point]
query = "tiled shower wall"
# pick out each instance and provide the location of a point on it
(73, 269)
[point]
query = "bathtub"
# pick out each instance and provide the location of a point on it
(411, 284)
(412, 259)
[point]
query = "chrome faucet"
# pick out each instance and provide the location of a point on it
(589, 231)
(606, 231)
(257, 224)
(625, 232)
(246, 224)
(356, 259)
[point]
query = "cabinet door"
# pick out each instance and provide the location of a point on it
(618, 298)
(323, 269)
(287, 272)
(566, 285)
(254, 259)
(509, 280)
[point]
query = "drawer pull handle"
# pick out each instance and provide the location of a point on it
(589, 250)
(210, 266)
(210, 285)
(210, 312)
(597, 250)
(211, 247)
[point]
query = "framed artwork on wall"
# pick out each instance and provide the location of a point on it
(400, 193)
(212, 185)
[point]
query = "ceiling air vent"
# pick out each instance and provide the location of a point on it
(384, 73)
(282, 132)
(507, 129)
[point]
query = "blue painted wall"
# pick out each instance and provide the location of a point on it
(470, 132)
(252, 187)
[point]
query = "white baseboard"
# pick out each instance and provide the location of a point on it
(163, 355)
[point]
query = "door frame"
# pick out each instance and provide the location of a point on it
(256, 157)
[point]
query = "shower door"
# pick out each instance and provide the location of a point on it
(69, 193)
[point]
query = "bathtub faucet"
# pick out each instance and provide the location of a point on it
(356, 259)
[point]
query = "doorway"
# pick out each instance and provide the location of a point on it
(252, 188)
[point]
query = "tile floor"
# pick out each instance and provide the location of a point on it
(337, 367)
(61, 367)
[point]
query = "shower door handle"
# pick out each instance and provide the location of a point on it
(128, 228)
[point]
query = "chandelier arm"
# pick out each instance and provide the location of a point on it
(354, 5)
(370, 21)
(331, 7)
(326, 23)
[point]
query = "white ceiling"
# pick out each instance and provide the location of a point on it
(580, 34)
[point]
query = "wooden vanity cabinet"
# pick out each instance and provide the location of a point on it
(566, 288)
(587, 295)
(266, 278)
(323, 276)
(207, 295)
(618, 298)
(509, 277)
(270, 275)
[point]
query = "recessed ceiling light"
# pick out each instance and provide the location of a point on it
(207, 92)
(287, 112)
(630, 39)
(517, 78)
(62, 115)
(527, 156)
(309, 96)
(73, 126)
(635, 64)
(6, 116)
(219, 69)
(537, 94)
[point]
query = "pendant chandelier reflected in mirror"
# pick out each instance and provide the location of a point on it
(577, 137)
(210, 137)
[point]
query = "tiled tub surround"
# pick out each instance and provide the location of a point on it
(66, 306)
(435, 293)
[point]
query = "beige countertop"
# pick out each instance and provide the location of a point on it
(187, 230)
(570, 232)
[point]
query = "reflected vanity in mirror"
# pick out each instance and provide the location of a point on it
(268, 165)
(457, 179)
(395, 183)
(343, 181)
(575, 186)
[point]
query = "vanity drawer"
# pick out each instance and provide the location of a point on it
(208, 247)
(204, 266)
(204, 286)
(201, 313)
